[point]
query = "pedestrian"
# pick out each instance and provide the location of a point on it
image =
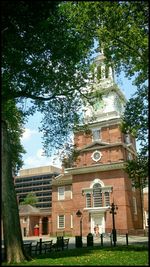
(97, 230)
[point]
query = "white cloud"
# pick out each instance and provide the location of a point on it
(39, 160)
(28, 133)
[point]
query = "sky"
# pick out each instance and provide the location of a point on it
(32, 138)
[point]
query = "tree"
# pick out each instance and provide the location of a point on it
(44, 61)
(11, 161)
(30, 199)
(138, 105)
(121, 30)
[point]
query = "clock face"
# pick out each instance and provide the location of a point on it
(99, 105)
(96, 156)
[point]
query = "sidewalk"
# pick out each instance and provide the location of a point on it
(121, 240)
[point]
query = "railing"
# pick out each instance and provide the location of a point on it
(43, 247)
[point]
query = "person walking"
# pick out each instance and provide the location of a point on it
(97, 230)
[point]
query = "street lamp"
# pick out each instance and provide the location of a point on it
(79, 214)
(112, 210)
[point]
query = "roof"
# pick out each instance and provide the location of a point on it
(38, 171)
(28, 209)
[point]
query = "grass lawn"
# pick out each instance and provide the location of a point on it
(101, 256)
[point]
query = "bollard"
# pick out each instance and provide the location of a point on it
(40, 246)
(78, 241)
(89, 240)
(101, 239)
(110, 239)
(127, 239)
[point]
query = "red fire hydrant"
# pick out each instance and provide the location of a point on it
(36, 230)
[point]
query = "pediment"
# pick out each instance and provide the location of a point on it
(63, 178)
(94, 144)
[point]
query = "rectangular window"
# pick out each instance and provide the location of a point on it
(97, 196)
(61, 193)
(127, 139)
(134, 205)
(88, 200)
(107, 199)
(61, 221)
(129, 156)
(98, 200)
(96, 134)
(71, 221)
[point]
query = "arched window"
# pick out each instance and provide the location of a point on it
(97, 195)
(99, 73)
(106, 71)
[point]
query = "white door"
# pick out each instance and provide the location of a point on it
(98, 219)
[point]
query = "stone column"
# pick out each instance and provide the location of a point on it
(40, 226)
(49, 225)
(28, 226)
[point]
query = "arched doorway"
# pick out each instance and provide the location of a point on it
(44, 226)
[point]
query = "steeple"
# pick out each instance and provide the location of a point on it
(103, 72)
(112, 101)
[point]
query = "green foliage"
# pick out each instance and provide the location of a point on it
(30, 199)
(135, 121)
(69, 158)
(138, 171)
(45, 61)
(121, 28)
(14, 119)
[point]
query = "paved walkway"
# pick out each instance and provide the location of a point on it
(121, 240)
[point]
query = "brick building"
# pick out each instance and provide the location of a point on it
(38, 181)
(96, 178)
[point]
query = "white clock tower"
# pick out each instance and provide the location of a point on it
(111, 101)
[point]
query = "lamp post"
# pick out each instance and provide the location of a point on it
(79, 214)
(112, 211)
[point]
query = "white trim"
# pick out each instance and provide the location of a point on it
(97, 209)
(97, 181)
(97, 167)
(93, 155)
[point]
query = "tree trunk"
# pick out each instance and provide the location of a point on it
(13, 243)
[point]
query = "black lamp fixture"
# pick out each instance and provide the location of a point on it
(79, 213)
(113, 212)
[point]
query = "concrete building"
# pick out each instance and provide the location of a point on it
(36, 220)
(96, 178)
